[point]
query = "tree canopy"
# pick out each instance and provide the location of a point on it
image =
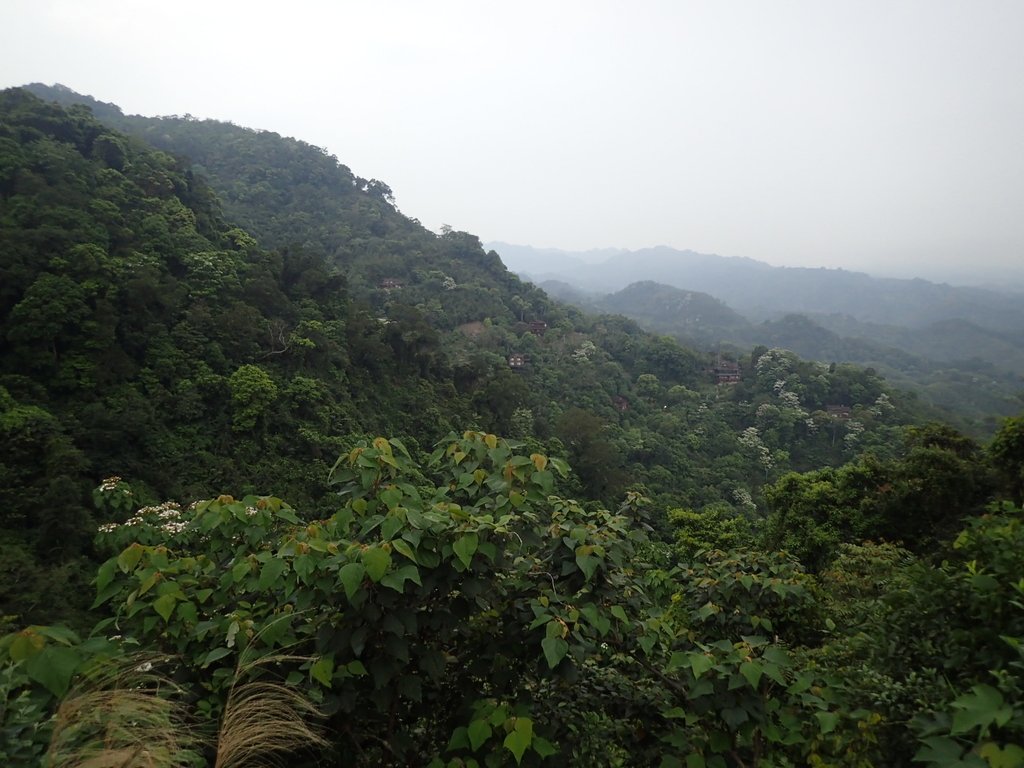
(657, 567)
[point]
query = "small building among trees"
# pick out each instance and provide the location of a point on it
(726, 372)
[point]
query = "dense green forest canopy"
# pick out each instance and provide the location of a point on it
(973, 373)
(671, 558)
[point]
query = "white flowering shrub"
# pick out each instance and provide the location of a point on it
(744, 500)
(790, 400)
(774, 365)
(153, 525)
(584, 352)
(854, 430)
(750, 438)
(882, 406)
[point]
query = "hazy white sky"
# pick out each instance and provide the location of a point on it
(883, 135)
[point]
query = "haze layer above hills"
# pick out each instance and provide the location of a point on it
(960, 347)
(760, 291)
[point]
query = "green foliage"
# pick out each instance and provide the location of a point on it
(37, 667)
(592, 455)
(448, 283)
(931, 361)
(436, 585)
(813, 513)
(731, 594)
(737, 690)
(451, 606)
(714, 527)
(1007, 454)
(984, 724)
(916, 500)
(454, 608)
(932, 646)
(24, 722)
(252, 393)
(186, 342)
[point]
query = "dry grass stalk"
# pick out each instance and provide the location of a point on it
(263, 723)
(120, 716)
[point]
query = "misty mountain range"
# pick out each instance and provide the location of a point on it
(760, 291)
(959, 347)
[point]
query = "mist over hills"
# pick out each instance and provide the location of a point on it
(760, 291)
(960, 347)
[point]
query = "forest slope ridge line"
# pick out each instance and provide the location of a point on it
(146, 338)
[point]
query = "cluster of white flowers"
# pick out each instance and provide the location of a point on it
(790, 400)
(251, 511)
(167, 511)
(449, 283)
(776, 362)
(136, 261)
(743, 498)
(882, 405)
(853, 433)
(778, 386)
(110, 484)
(750, 437)
(766, 411)
(165, 517)
(812, 425)
(586, 349)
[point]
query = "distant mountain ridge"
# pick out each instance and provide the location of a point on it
(690, 314)
(540, 258)
(760, 291)
(953, 363)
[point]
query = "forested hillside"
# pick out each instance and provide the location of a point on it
(668, 557)
(973, 374)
